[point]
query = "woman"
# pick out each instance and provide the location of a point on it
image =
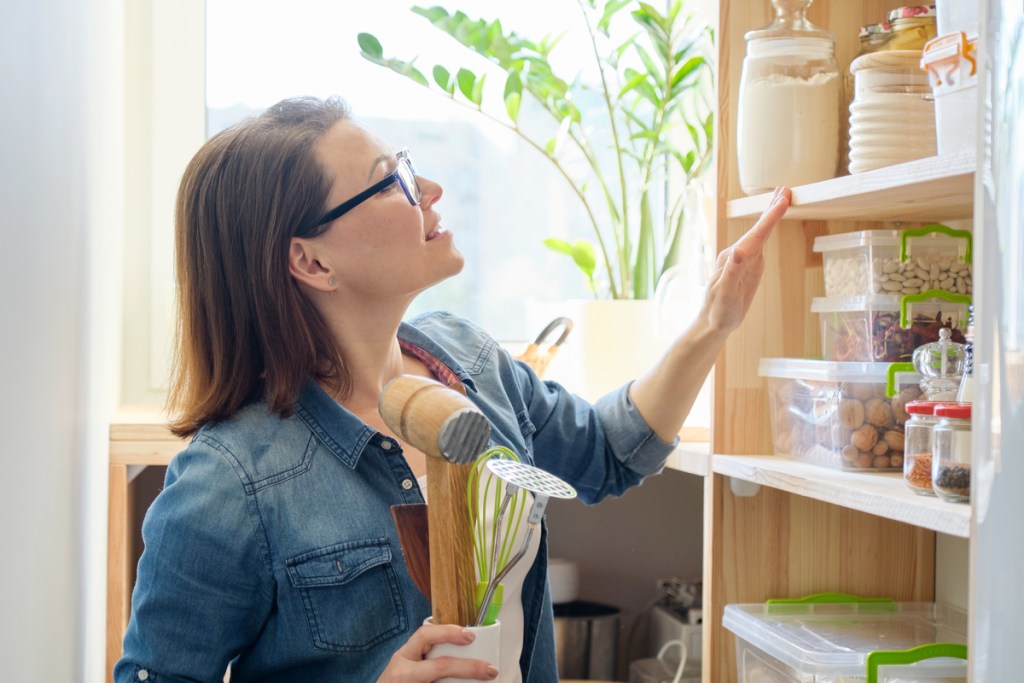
(301, 241)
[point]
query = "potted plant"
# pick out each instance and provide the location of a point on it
(644, 119)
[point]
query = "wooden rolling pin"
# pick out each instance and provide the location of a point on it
(446, 426)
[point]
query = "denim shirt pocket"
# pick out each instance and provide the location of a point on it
(350, 593)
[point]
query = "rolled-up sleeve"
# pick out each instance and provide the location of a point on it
(601, 449)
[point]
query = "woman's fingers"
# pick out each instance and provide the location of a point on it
(410, 664)
(752, 242)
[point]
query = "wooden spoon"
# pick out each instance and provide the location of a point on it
(412, 523)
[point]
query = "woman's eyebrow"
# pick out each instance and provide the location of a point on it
(377, 162)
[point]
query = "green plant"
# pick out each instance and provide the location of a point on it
(644, 117)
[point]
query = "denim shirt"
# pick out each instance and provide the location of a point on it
(272, 546)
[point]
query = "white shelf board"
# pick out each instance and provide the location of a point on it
(881, 494)
(930, 189)
(691, 457)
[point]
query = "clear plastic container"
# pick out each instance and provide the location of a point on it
(957, 16)
(887, 329)
(892, 115)
(837, 414)
(917, 453)
(874, 261)
(788, 114)
(952, 67)
(951, 464)
(830, 643)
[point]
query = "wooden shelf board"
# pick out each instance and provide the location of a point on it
(881, 494)
(693, 458)
(930, 189)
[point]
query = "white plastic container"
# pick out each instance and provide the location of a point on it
(887, 329)
(953, 16)
(951, 62)
(861, 263)
(830, 643)
(838, 415)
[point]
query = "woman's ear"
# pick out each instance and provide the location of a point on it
(306, 268)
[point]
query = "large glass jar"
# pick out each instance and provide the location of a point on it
(790, 89)
(951, 464)
(917, 446)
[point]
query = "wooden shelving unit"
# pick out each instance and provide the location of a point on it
(807, 529)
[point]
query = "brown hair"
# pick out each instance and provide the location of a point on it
(244, 329)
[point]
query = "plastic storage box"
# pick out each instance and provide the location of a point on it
(831, 643)
(952, 66)
(837, 414)
(887, 329)
(896, 262)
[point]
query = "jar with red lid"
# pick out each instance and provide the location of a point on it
(917, 450)
(951, 461)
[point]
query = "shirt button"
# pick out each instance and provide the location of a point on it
(407, 484)
(143, 675)
(386, 445)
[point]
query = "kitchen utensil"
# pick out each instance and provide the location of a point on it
(414, 537)
(489, 510)
(543, 486)
(445, 425)
(539, 360)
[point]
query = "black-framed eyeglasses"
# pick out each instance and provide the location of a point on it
(404, 174)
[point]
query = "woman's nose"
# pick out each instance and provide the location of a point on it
(430, 191)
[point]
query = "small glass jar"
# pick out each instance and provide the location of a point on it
(918, 446)
(873, 37)
(951, 461)
(911, 27)
(788, 114)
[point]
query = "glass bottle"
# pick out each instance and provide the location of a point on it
(788, 115)
(966, 391)
(951, 461)
(911, 27)
(941, 365)
(918, 446)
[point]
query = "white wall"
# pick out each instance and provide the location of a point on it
(60, 202)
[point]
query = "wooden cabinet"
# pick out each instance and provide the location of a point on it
(808, 529)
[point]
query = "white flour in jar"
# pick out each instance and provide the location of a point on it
(788, 131)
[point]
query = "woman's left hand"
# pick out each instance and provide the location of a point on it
(738, 271)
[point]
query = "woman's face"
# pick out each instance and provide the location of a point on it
(384, 246)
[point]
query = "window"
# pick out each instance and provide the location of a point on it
(500, 204)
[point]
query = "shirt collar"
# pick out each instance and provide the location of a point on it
(340, 431)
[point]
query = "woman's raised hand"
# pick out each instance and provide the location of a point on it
(739, 268)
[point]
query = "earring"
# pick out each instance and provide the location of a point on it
(332, 282)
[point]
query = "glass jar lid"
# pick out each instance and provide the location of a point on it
(959, 411)
(921, 407)
(790, 21)
(912, 12)
(874, 31)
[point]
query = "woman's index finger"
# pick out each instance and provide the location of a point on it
(753, 240)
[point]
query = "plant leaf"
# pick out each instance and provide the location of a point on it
(443, 78)
(466, 80)
(582, 252)
(369, 44)
(513, 95)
